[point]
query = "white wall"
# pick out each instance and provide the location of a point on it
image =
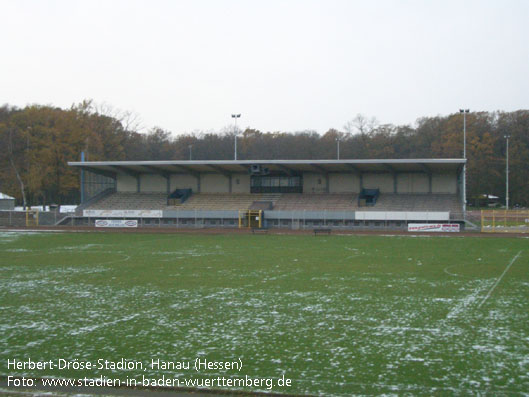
(153, 183)
(344, 183)
(413, 183)
(402, 215)
(444, 183)
(338, 183)
(183, 182)
(384, 182)
(126, 183)
(314, 183)
(214, 183)
(244, 183)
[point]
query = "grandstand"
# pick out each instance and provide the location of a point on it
(289, 193)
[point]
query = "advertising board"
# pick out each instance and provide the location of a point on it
(116, 223)
(434, 227)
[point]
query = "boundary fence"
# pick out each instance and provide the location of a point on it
(505, 221)
(30, 218)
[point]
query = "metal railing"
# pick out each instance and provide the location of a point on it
(505, 221)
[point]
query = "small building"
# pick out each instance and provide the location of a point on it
(7, 203)
(486, 200)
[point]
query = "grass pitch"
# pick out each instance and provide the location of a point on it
(339, 315)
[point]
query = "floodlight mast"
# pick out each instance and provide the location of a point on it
(465, 112)
(507, 173)
(338, 148)
(235, 116)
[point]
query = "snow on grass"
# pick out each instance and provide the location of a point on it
(8, 237)
(476, 290)
(330, 322)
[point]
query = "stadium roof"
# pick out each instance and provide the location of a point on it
(111, 168)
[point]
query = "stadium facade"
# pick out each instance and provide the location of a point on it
(273, 193)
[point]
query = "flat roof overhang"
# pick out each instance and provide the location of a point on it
(134, 168)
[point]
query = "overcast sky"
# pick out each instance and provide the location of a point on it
(284, 65)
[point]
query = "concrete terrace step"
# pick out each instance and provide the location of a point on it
(281, 202)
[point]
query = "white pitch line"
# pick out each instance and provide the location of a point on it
(499, 278)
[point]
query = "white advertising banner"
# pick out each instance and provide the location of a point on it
(433, 227)
(116, 223)
(123, 213)
(401, 216)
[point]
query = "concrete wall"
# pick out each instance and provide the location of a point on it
(444, 183)
(214, 183)
(153, 183)
(344, 183)
(384, 182)
(183, 182)
(314, 183)
(209, 183)
(244, 183)
(413, 183)
(126, 183)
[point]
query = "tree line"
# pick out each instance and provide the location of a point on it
(38, 141)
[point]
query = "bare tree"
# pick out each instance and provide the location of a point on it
(361, 125)
(131, 121)
(12, 161)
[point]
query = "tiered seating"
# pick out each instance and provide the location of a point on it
(316, 202)
(217, 201)
(282, 202)
(224, 201)
(132, 201)
(199, 201)
(416, 202)
(273, 197)
(385, 202)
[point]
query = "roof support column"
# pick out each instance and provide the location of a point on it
(358, 172)
(360, 181)
(82, 178)
(229, 183)
(168, 179)
(393, 173)
(324, 172)
(198, 183)
(138, 184)
(430, 183)
(428, 172)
